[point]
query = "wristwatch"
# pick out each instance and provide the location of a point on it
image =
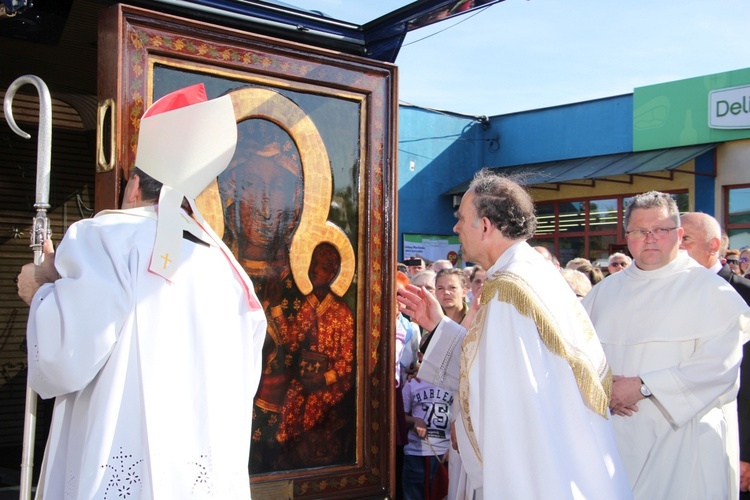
(645, 390)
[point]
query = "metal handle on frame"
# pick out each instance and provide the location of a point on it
(104, 164)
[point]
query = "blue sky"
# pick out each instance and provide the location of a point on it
(528, 54)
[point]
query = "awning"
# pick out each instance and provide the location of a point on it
(598, 167)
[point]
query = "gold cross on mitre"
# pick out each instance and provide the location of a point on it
(167, 260)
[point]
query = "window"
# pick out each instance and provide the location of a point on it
(572, 217)
(737, 215)
(603, 215)
(593, 227)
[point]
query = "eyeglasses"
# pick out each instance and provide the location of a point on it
(658, 233)
(734, 262)
(619, 264)
(744, 260)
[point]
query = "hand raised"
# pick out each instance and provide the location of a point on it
(420, 305)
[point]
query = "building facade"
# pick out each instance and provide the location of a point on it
(582, 162)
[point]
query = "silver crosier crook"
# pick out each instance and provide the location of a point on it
(40, 232)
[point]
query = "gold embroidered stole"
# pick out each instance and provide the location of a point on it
(594, 383)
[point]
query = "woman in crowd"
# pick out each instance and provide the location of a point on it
(476, 282)
(450, 290)
(745, 261)
(733, 261)
(593, 273)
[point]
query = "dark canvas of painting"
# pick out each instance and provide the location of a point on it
(275, 200)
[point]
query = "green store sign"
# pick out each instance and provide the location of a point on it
(712, 108)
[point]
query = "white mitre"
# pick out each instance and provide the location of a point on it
(185, 141)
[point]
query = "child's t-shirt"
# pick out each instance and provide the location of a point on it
(433, 405)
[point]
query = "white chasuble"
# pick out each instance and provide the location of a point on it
(153, 380)
(533, 388)
(679, 329)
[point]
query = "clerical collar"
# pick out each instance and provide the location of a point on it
(505, 258)
(678, 264)
(716, 267)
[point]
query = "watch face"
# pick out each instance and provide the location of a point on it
(644, 390)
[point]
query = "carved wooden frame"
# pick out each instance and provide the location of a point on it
(131, 42)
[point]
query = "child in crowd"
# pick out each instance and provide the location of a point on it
(428, 411)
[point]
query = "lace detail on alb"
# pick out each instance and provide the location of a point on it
(123, 476)
(70, 486)
(440, 379)
(36, 377)
(203, 482)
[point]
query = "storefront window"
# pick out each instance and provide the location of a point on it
(739, 238)
(737, 215)
(545, 218)
(572, 218)
(739, 206)
(593, 228)
(603, 215)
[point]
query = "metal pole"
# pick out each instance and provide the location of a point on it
(40, 232)
(29, 435)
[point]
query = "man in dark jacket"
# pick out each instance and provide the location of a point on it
(702, 240)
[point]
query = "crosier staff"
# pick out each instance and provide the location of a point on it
(40, 232)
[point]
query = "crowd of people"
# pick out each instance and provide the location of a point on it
(631, 386)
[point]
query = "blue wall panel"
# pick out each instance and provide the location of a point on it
(704, 184)
(446, 149)
(591, 128)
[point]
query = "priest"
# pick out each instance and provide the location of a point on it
(531, 378)
(672, 331)
(146, 330)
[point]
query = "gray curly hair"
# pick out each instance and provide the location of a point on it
(505, 203)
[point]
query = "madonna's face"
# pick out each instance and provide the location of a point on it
(267, 195)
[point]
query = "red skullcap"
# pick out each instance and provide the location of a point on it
(178, 99)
